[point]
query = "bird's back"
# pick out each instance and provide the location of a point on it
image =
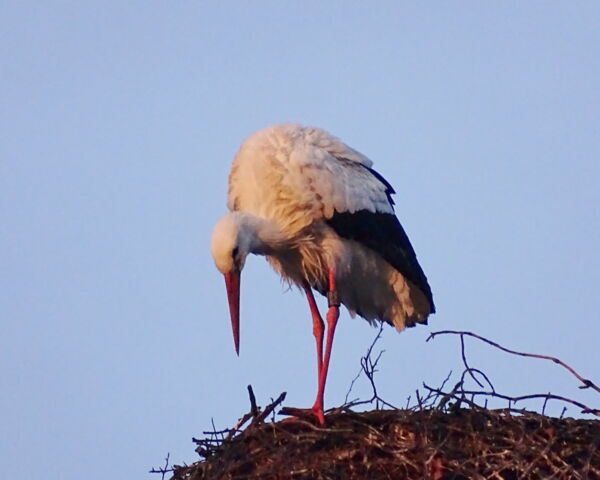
(294, 175)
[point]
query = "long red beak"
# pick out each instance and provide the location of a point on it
(232, 283)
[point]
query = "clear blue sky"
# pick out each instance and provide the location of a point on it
(118, 122)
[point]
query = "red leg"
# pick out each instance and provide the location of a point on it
(322, 360)
(318, 327)
(332, 318)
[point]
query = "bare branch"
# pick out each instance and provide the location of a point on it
(253, 407)
(464, 359)
(458, 394)
(586, 383)
(163, 470)
(269, 408)
(368, 367)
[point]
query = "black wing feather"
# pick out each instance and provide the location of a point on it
(389, 190)
(383, 233)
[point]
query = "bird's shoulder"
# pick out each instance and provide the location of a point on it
(292, 145)
(304, 173)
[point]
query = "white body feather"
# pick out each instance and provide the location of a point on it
(295, 178)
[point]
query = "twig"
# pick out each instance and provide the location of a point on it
(586, 383)
(468, 369)
(216, 432)
(163, 470)
(471, 372)
(368, 366)
(269, 408)
(237, 427)
(253, 407)
(253, 413)
(367, 355)
(547, 396)
(544, 405)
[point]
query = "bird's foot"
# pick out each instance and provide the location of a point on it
(311, 414)
(319, 414)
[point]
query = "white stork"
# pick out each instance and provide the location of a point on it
(324, 220)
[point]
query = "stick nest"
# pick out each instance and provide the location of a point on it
(390, 444)
(449, 434)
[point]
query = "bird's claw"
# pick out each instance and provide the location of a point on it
(314, 413)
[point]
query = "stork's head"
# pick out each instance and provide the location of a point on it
(234, 237)
(231, 243)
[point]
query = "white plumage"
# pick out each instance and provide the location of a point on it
(323, 218)
(305, 171)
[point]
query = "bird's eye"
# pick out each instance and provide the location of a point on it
(234, 252)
